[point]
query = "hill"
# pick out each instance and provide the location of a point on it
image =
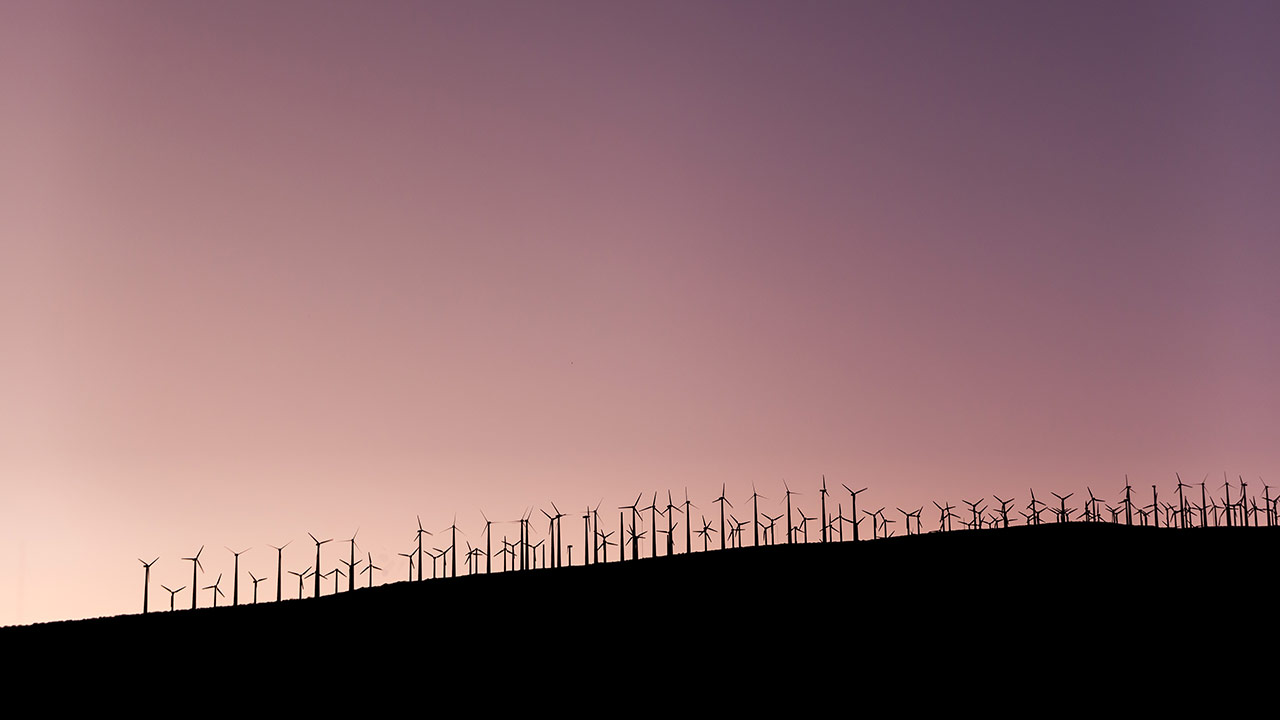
(1024, 603)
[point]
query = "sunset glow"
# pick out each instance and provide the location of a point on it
(277, 268)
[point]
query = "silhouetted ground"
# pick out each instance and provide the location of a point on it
(1022, 610)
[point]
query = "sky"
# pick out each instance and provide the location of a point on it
(276, 268)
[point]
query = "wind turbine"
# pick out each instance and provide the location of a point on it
(944, 517)
(318, 543)
(453, 547)
(421, 532)
(369, 568)
(146, 582)
(605, 542)
(351, 579)
(552, 532)
(1183, 520)
(410, 556)
(722, 500)
(488, 543)
(279, 566)
(336, 573)
(1004, 509)
(653, 524)
(586, 539)
(755, 515)
(172, 593)
(216, 590)
(558, 547)
(235, 584)
(301, 576)
(351, 571)
(1063, 515)
(634, 507)
(789, 493)
(853, 508)
(671, 511)
(824, 508)
(907, 518)
(705, 532)
(255, 580)
(771, 532)
(1035, 510)
(195, 565)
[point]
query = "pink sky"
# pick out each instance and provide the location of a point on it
(311, 266)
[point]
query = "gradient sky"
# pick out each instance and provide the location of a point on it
(270, 268)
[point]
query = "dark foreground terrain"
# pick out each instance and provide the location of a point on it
(1065, 609)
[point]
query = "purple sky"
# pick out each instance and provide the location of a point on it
(271, 268)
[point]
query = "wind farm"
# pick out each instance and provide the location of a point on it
(926, 575)
(1243, 512)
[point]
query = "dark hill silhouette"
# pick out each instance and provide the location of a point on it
(1029, 606)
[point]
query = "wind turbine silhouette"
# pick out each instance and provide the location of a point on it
(875, 522)
(279, 566)
(488, 543)
(838, 521)
(635, 540)
(755, 515)
(552, 531)
(705, 532)
(738, 528)
(504, 552)
(351, 579)
(525, 530)
(255, 580)
(977, 512)
(595, 528)
(804, 525)
(410, 556)
(771, 532)
(351, 571)
(635, 509)
(301, 576)
(944, 517)
(1063, 515)
(557, 548)
(172, 593)
(722, 500)
(605, 543)
(824, 508)
(146, 582)
(653, 524)
(453, 547)
(336, 573)
(216, 590)
(671, 525)
(1004, 509)
(195, 565)
(586, 540)
(369, 568)
(853, 508)
(318, 543)
(789, 493)
(420, 533)
(1183, 520)
(235, 584)
(908, 518)
(1035, 510)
